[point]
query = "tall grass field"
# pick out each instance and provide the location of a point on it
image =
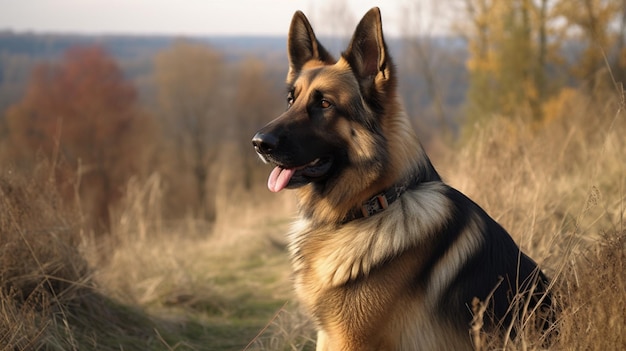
(559, 188)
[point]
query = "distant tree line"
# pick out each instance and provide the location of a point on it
(84, 116)
(191, 115)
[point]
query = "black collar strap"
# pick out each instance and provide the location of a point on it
(380, 202)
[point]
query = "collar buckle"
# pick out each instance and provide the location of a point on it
(374, 205)
(380, 202)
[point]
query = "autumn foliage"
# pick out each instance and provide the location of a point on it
(82, 114)
(523, 53)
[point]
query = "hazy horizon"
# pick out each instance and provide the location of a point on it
(202, 18)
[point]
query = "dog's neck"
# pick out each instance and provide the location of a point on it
(381, 201)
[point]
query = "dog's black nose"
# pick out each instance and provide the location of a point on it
(264, 143)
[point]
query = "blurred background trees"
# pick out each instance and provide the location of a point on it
(257, 97)
(191, 101)
(185, 109)
(82, 114)
(507, 47)
(522, 53)
(208, 108)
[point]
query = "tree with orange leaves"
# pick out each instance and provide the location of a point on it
(82, 114)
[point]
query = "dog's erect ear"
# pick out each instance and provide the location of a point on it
(367, 52)
(303, 46)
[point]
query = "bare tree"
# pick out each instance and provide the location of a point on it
(191, 98)
(256, 101)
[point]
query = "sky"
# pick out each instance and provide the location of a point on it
(198, 17)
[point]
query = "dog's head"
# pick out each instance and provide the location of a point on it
(332, 125)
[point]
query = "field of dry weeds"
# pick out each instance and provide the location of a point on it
(559, 187)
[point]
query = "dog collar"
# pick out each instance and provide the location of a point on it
(381, 201)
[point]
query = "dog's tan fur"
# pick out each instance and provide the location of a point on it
(363, 305)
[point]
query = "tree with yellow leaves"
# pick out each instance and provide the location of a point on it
(517, 57)
(509, 55)
(593, 25)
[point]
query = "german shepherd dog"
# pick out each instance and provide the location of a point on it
(385, 255)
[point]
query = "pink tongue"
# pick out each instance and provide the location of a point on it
(279, 178)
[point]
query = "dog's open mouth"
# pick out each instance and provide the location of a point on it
(283, 177)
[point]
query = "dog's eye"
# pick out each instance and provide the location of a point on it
(325, 103)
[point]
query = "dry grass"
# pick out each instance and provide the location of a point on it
(559, 188)
(48, 298)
